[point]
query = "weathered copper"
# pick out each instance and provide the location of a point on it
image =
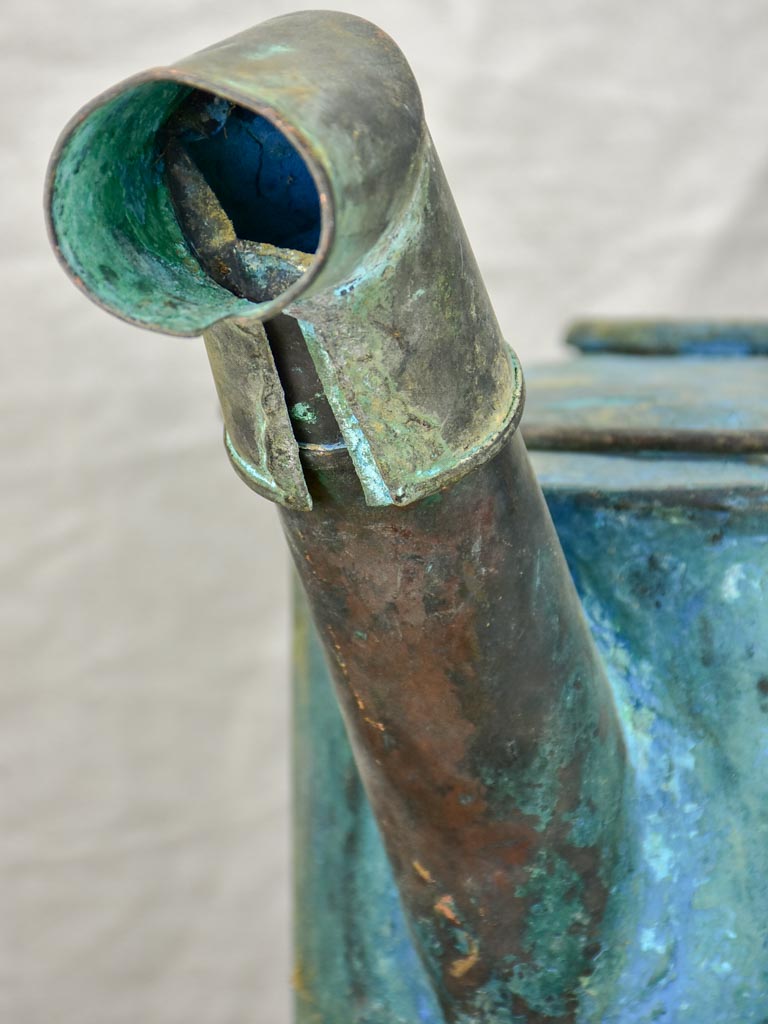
(534, 810)
(482, 725)
(392, 283)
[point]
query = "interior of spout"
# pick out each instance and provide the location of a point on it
(260, 179)
(243, 196)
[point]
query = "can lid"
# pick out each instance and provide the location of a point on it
(628, 395)
(712, 339)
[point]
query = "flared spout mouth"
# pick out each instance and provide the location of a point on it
(175, 207)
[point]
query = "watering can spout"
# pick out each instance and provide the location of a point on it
(280, 194)
(291, 169)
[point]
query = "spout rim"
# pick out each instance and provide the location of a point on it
(183, 77)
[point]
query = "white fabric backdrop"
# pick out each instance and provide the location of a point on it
(608, 156)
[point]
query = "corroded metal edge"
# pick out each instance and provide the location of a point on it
(615, 439)
(670, 337)
(619, 479)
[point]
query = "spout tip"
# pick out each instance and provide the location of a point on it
(332, 89)
(116, 230)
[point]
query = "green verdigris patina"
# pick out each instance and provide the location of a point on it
(114, 222)
(392, 281)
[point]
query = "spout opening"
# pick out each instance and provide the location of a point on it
(114, 219)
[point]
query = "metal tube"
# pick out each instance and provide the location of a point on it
(481, 722)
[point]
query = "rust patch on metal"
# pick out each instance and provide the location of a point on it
(475, 657)
(460, 967)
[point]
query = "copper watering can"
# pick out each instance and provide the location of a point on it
(516, 799)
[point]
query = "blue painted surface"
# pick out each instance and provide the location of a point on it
(676, 598)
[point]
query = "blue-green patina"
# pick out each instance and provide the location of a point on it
(670, 558)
